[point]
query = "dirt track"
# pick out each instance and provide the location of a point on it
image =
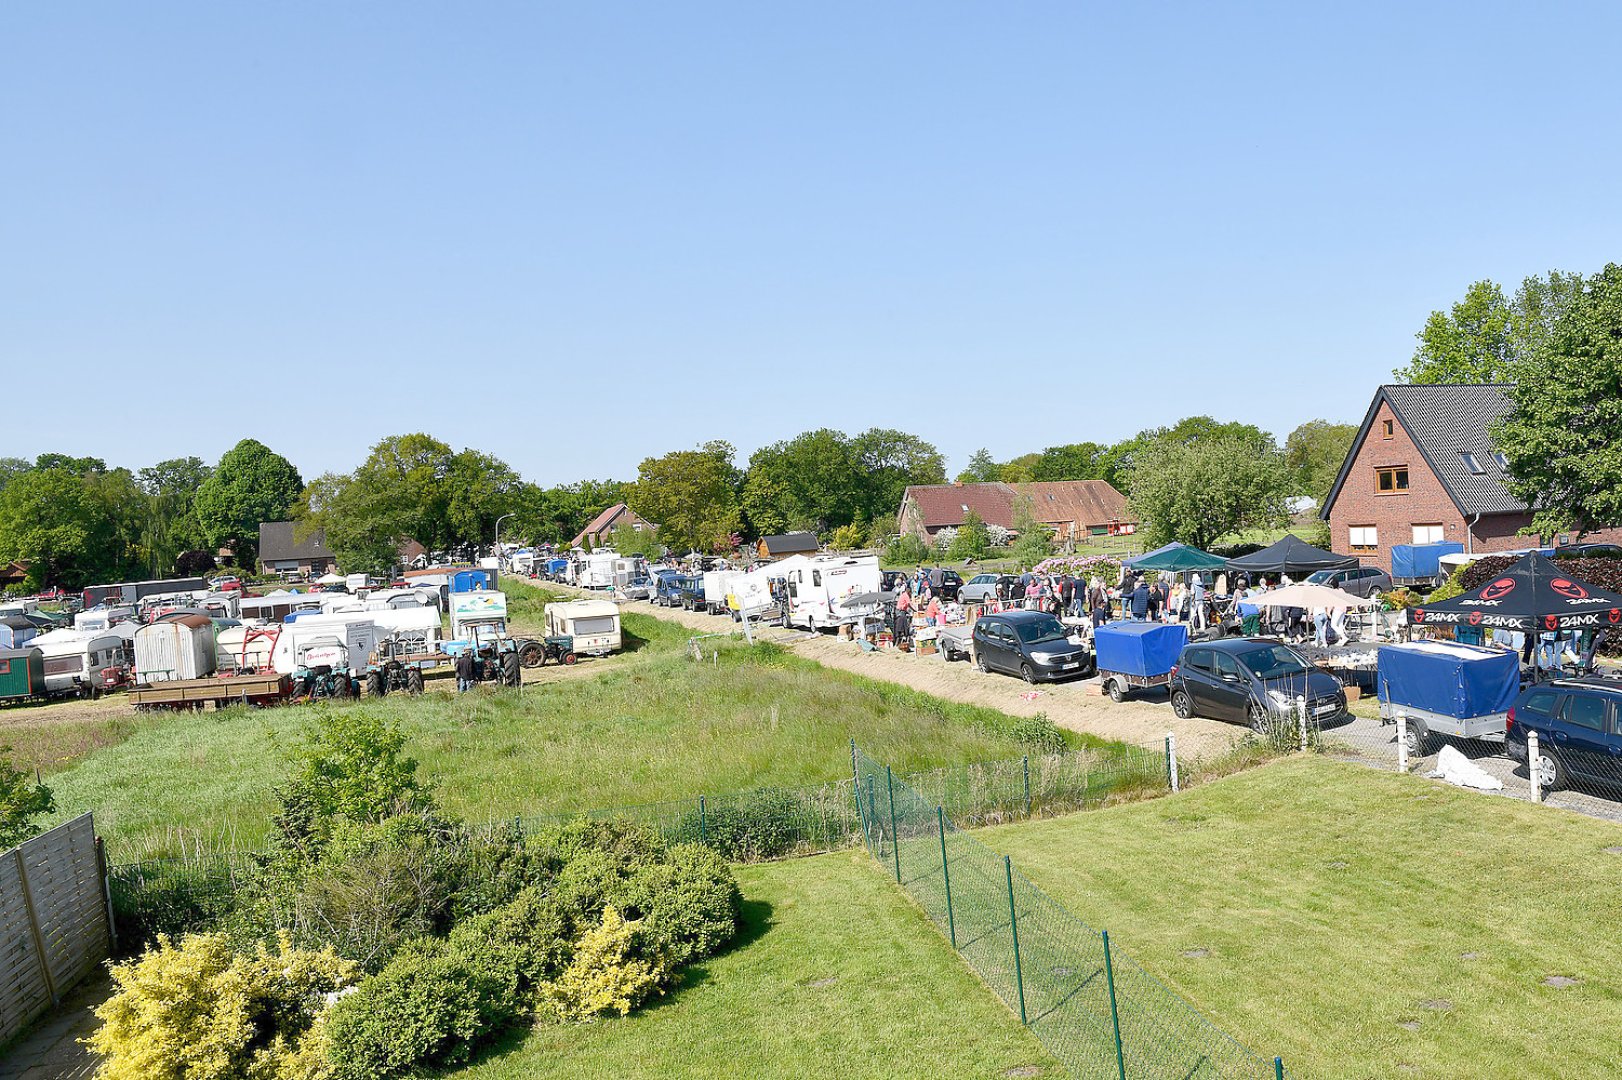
(1077, 705)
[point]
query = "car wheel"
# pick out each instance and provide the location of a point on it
(1257, 719)
(1181, 705)
(1419, 740)
(1551, 771)
(980, 662)
(1026, 673)
(1117, 692)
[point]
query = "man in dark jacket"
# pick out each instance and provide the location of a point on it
(1140, 601)
(466, 667)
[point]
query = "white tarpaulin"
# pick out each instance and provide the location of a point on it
(1455, 768)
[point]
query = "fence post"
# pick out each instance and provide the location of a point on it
(1402, 742)
(33, 926)
(1027, 763)
(1278, 1068)
(1301, 715)
(1114, 1011)
(107, 897)
(703, 822)
(873, 818)
(1171, 760)
(895, 834)
(1532, 764)
(946, 875)
(1013, 924)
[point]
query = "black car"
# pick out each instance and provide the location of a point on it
(1251, 681)
(1579, 726)
(1031, 644)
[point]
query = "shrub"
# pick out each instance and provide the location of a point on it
(848, 537)
(1037, 732)
(349, 766)
(755, 825)
(21, 801)
(906, 550)
(197, 1009)
(612, 972)
(688, 904)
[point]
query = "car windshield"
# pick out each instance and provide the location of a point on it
(1273, 662)
(1320, 577)
(1034, 631)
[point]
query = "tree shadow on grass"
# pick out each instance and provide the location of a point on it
(754, 921)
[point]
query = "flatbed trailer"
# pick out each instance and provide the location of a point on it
(258, 690)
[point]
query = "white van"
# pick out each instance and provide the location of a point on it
(594, 625)
(356, 630)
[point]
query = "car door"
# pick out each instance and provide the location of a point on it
(1580, 734)
(1230, 690)
(1198, 676)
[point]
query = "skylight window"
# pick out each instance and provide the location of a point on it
(1503, 462)
(1470, 462)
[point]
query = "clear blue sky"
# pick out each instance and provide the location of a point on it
(578, 234)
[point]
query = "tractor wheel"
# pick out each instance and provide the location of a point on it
(375, 687)
(413, 680)
(569, 658)
(532, 655)
(511, 675)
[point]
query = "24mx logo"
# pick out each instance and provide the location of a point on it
(1499, 589)
(1569, 589)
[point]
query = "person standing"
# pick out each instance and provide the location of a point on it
(466, 671)
(1196, 602)
(1139, 601)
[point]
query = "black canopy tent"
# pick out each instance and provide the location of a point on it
(1291, 555)
(1535, 594)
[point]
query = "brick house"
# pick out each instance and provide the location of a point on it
(602, 527)
(282, 553)
(1073, 509)
(1423, 468)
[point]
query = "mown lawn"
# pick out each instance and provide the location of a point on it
(836, 976)
(657, 728)
(1360, 923)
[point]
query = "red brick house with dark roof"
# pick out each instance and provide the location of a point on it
(1423, 467)
(1071, 508)
(603, 525)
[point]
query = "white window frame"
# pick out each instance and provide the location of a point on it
(1429, 534)
(1363, 537)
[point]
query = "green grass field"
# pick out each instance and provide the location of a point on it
(1359, 923)
(837, 976)
(648, 729)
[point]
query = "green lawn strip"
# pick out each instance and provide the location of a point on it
(837, 976)
(663, 728)
(1357, 922)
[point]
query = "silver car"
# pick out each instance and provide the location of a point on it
(1362, 581)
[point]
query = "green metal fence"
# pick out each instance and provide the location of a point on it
(1095, 1010)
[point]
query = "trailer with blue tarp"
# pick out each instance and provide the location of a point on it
(1414, 563)
(1137, 655)
(1444, 688)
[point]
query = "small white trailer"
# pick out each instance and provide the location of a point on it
(717, 583)
(354, 631)
(594, 625)
(597, 570)
(175, 647)
(75, 660)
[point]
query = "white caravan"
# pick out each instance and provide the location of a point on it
(594, 625)
(820, 590)
(75, 659)
(717, 583)
(597, 570)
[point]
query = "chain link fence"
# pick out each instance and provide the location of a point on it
(1095, 1010)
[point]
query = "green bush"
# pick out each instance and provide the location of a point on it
(22, 800)
(613, 971)
(688, 904)
(349, 766)
(198, 1009)
(906, 550)
(1038, 732)
(763, 824)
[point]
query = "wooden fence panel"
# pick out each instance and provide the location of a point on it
(53, 920)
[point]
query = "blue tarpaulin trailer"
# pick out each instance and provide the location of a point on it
(1137, 655)
(1419, 562)
(1443, 688)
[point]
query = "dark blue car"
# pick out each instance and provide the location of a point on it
(1579, 726)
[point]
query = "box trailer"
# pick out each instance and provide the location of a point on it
(717, 583)
(1137, 655)
(349, 637)
(1415, 564)
(1443, 688)
(128, 592)
(175, 647)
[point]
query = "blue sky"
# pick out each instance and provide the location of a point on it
(577, 235)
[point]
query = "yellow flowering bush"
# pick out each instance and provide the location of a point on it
(198, 1010)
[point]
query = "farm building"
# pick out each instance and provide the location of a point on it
(281, 552)
(603, 525)
(1422, 469)
(772, 548)
(1073, 509)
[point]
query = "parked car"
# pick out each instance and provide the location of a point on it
(1362, 581)
(891, 580)
(1251, 681)
(1031, 644)
(1579, 726)
(1588, 551)
(984, 588)
(946, 583)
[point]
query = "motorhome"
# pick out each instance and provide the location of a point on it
(829, 590)
(594, 625)
(276, 606)
(355, 631)
(17, 631)
(75, 659)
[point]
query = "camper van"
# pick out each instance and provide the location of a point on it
(820, 589)
(356, 631)
(594, 625)
(75, 660)
(276, 606)
(102, 618)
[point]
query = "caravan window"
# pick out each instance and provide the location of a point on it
(816, 577)
(596, 624)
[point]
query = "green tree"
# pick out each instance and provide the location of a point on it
(12, 467)
(981, 469)
(1019, 470)
(692, 495)
(480, 488)
(1313, 455)
(22, 800)
(1484, 337)
(890, 462)
(972, 541)
(814, 480)
(1073, 461)
(1035, 540)
(78, 466)
(1198, 491)
(629, 540)
(1560, 437)
(251, 484)
(170, 525)
(53, 520)
(763, 504)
